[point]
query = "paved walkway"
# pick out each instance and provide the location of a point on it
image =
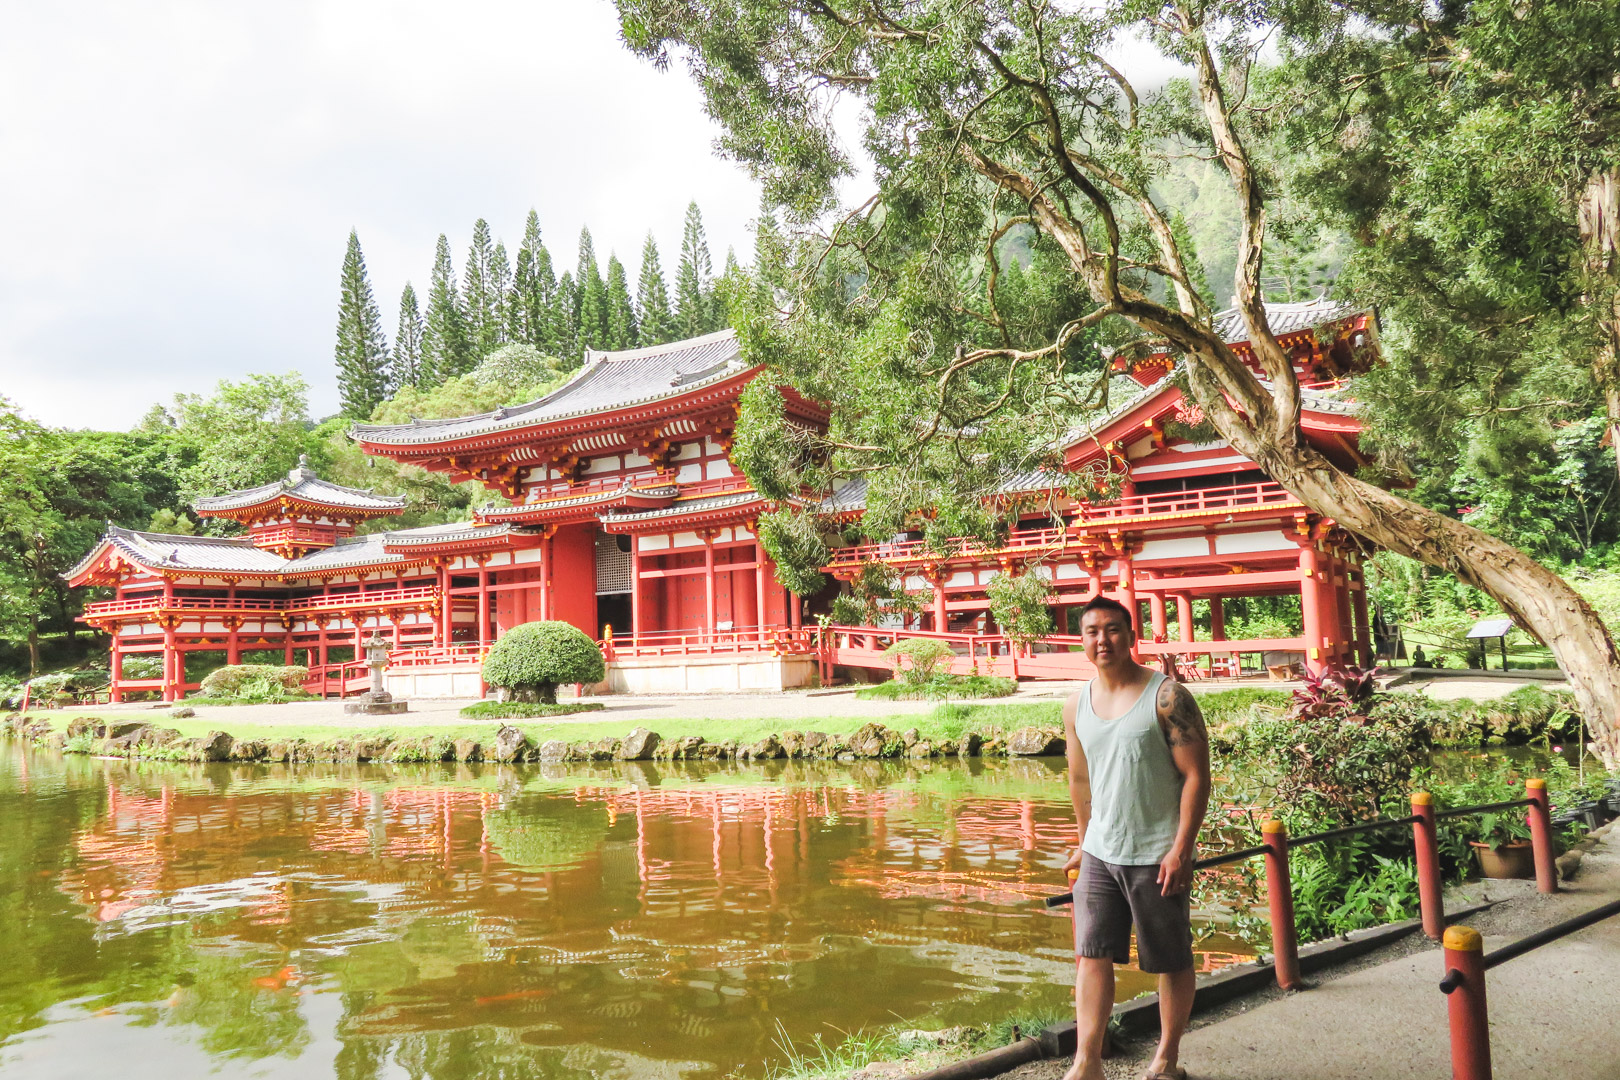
(1552, 1011)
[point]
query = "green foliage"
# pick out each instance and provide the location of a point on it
(407, 364)
(520, 710)
(533, 833)
(248, 433)
(939, 686)
(1019, 604)
(362, 351)
(519, 371)
(530, 660)
(483, 294)
(916, 660)
(694, 306)
(656, 320)
(794, 541)
(260, 682)
(622, 332)
(447, 347)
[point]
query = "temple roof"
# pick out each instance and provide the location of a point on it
(303, 485)
(239, 555)
(607, 381)
(1285, 318)
(704, 505)
(624, 493)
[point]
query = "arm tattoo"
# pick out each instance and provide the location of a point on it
(1179, 715)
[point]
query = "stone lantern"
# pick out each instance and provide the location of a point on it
(376, 702)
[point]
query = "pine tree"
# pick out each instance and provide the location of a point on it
(407, 369)
(654, 319)
(446, 350)
(720, 292)
(534, 288)
(362, 351)
(565, 317)
(693, 312)
(592, 300)
(621, 314)
(500, 284)
(479, 299)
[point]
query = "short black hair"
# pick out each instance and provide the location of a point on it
(1108, 603)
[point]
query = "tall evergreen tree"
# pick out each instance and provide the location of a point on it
(407, 368)
(565, 317)
(479, 299)
(621, 313)
(446, 349)
(654, 319)
(693, 314)
(535, 320)
(592, 300)
(362, 351)
(500, 284)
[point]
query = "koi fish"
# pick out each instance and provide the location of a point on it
(279, 980)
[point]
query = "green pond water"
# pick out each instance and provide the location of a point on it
(462, 921)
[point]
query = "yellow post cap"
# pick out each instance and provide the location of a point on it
(1422, 798)
(1536, 783)
(1272, 825)
(1463, 939)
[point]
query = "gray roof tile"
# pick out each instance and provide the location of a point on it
(608, 380)
(302, 483)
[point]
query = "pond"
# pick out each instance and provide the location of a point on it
(462, 921)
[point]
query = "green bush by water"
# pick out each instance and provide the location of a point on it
(523, 710)
(939, 686)
(533, 659)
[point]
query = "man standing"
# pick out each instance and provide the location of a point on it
(1139, 779)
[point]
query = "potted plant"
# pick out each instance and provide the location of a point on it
(1503, 847)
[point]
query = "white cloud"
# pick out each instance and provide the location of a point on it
(179, 178)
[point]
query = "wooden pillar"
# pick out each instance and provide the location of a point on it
(1341, 601)
(545, 576)
(233, 642)
(1184, 616)
(1217, 619)
(483, 603)
(443, 620)
(1161, 628)
(759, 588)
(179, 672)
(708, 580)
(1310, 605)
(115, 666)
(635, 587)
(1363, 625)
(1125, 589)
(287, 657)
(325, 648)
(942, 615)
(796, 610)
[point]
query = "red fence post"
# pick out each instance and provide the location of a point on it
(1426, 848)
(1470, 1021)
(1541, 843)
(1280, 898)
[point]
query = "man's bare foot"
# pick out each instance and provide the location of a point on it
(1084, 1070)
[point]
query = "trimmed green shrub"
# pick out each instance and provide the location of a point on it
(259, 681)
(523, 710)
(916, 660)
(532, 660)
(940, 686)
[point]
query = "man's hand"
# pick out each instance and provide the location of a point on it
(1175, 873)
(1073, 865)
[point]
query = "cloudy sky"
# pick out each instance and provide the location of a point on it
(178, 177)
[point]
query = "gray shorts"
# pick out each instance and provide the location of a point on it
(1108, 898)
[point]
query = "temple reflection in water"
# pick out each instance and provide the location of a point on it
(629, 921)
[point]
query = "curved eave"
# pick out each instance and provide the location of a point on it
(559, 428)
(497, 539)
(580, 507)
(677, 517)
(283, 504)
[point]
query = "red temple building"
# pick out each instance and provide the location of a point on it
(623, 514)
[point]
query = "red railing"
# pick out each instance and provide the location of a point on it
(747, 639)
(1221, 500)
(292, 534)
(351, 677)
(436, 656)
(422, 594)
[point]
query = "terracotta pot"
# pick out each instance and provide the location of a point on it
(1515, 860)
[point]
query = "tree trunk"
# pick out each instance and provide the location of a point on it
(1598, 218)
(1539, 600)
(33, 650)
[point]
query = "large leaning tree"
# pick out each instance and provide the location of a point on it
(992, 124)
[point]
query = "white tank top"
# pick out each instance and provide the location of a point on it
(1135, 786)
